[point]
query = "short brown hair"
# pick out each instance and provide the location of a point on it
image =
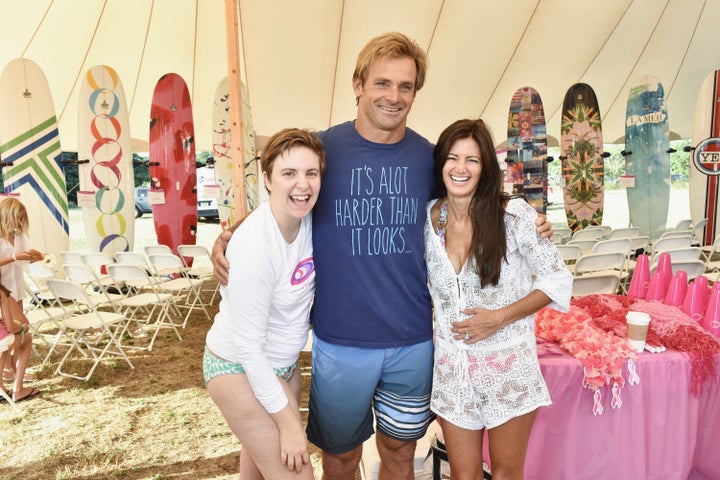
(391, 45)
(287, 139)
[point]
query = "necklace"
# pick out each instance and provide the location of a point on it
(442, 222)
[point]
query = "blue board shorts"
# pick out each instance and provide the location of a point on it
(350, 384)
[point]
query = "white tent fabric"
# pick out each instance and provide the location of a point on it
(298, 56)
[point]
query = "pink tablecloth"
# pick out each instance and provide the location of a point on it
(660, 432)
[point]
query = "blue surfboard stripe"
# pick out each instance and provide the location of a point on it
(56, 212)
(33, 146)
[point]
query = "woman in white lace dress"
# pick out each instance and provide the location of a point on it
(483, 256)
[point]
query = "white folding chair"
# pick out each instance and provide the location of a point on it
(684, 224)
(93, 332)
(677, 254)
(186, 290)
(99, 262)
(624, 232)
(98, 291)
(613, 262)
(3, 393)
(605, 230)
(621, 245)
(561, 235)
(698, 231)
(595, 283)
(198, 263)
(671, 242)
(149, 309)
(569, 253)
(588, 234)
(71, 257)
(585, 245)
(693, 268)
(158, 249)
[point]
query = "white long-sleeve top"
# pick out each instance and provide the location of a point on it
(12, 273)
(264, 313)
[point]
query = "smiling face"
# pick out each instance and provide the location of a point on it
(462, 169)
(385, 98)
(294, 184)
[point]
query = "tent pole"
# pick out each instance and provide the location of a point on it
(236, 120)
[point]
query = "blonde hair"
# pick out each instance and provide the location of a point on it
(13, 218)
(391, 45)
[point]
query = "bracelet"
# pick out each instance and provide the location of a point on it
(14, 257)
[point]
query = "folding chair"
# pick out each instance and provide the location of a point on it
(99, 262)
(561, 235)
(186, 290)
(148, 309)
(621, 245)
(588, 234)
(71, 257)
(625, 232)
(595, 283)
(46, 325)
(611, 262)
(196, 259)
(81, 327)
(677, 254)
(693, 268)
(605, 230)
(97, 290)
(698, 231)
(158, 249)
(585, 245)
(569, 253)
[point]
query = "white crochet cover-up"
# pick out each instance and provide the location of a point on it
(489, 382)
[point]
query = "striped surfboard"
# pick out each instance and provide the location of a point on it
(31, 154)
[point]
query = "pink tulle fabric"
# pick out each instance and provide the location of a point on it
(594, 331)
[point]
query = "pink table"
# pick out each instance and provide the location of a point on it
(660, 432)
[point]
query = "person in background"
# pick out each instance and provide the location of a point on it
(14, 255)
(372, 316)
(488, 273)
(254, 343)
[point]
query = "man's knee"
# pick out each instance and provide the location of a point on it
(341, 465)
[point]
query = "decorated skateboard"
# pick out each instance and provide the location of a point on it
(172, 163)
(582, 157)
(30, 154)
(105, 168)
(527, 148)
(647, 144)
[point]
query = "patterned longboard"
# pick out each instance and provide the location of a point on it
(647, 140)
(527, 147)
(107, 178)
(172, 163)
(705, 159)
(582, 158)
(29, 140)
(222, 153)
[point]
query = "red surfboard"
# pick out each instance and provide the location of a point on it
(172, 163)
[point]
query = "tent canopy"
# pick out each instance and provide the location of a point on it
(297, 58)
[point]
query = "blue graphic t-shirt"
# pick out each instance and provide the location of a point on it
(371, 285)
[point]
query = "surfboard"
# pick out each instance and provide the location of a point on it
(222, 153)
(704, 165)
(31, 153)
(647, 141)
(581, 153)
(172, 163)
(527, 147)
(105, 170)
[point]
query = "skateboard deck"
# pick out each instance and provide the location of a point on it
(582, 158)
(527, 147)
(647, 141)
(31, 153)
(222, 154)
(107, 177)
(172, 163)
(705, 159)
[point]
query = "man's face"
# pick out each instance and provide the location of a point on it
(384, 100)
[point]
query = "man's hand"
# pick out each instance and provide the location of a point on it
(544, 227)
(220, 262)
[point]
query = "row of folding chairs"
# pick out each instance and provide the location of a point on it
(99, 305)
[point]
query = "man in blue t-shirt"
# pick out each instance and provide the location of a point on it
(372, 314)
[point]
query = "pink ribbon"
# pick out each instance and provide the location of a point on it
(597, 404)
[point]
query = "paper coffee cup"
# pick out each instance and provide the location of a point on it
(637, 326)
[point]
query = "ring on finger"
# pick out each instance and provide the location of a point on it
(467, 335)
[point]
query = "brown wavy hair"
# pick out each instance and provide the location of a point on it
(487, 206)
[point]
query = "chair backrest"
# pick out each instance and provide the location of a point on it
(684, 224)
(131, 258)
(604, 229)
(82, 274)
(161, 261)
(67, 289)
(668, 243)
(71, 257)
(127, 272)
(588, 234)
(699, 230)
(639, 242)
(595, 284)
(621, 245)
(97, 259)
(693, 268)
(676, 233)
(193, 252)
(39, 270)
(562, 234)
(625, 232)
(599, 261)
(569, 252)
(678, 254)
(159, 249)
(585, 245)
